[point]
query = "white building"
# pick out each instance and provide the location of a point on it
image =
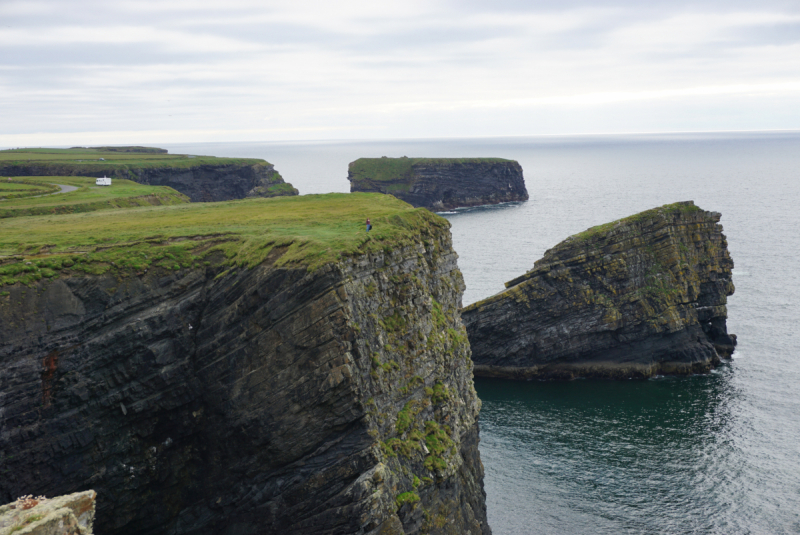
(105, 181)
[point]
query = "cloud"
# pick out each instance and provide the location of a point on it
(361, 69)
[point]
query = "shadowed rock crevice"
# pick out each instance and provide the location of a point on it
(642, 296)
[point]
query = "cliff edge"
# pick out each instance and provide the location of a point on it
(201, 178)
(642, 296)
(297, 377)
(440, 183)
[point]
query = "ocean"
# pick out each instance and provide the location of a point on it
(716, 453)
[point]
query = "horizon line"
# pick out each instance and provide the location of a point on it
(443, 138)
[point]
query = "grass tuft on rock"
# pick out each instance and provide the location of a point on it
(599, 230)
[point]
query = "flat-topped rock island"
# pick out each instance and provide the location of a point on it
(441, 183)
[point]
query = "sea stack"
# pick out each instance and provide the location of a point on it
(641, 296)
(440, 183)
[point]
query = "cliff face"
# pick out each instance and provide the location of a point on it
(263, 400)
(642, 296)
(201, 183)
(440, 183)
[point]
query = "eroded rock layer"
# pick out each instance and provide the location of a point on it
(641, 296)
(263, 400)
(440, 183)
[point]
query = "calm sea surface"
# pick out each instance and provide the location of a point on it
(705, 454)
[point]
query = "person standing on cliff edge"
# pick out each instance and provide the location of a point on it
(369, 225)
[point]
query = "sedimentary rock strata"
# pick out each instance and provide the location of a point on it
(206, 183)
(440, 183)
(266, 399)
(641, 296)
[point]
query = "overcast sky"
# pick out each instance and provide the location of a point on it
(142, 71)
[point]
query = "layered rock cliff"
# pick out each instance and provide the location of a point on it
(440, 183)
(201, 183)
(201, 178)
(641, 296)
(264, 399)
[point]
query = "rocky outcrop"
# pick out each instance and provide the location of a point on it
(270, 399)
(201, 183)
(641, 296)
(64, 515)
(440, 183)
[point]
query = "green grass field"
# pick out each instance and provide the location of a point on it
(88, 197)
(309, 231)
(399, 169)
(17, 187)
(112, 157)
(22, 187)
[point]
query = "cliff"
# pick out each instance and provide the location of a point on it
(440, 183)
(201, 178)
(642, 296)
(301, 378)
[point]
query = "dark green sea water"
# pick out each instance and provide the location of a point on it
(613, 457)
(718, 453)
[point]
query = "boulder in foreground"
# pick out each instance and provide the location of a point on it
(641, 296)
(64, 515)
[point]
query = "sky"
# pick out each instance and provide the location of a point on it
(142, 71)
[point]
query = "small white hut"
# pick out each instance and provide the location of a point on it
(105, 181)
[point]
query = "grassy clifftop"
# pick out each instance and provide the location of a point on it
(600, 231)
(88, 160)
(32, 196)
(310, 231)
(397, 169)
